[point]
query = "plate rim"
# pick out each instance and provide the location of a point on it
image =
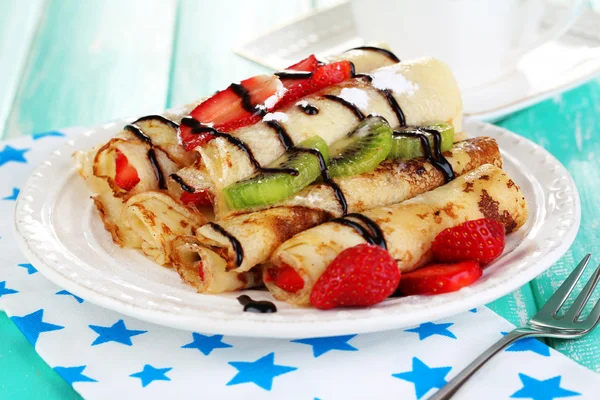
(274, 325)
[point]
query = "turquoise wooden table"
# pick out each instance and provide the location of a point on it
(73, 62)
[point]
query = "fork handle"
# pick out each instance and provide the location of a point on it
(451, 387)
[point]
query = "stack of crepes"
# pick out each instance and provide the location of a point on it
(164, 206)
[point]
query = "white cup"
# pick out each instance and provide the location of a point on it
(481, 40)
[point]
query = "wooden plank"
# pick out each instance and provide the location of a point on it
(517, 307)
(18, 22)
(90, 62)
(93, 61)
(23, 374)
(203, 61)
(568, 127)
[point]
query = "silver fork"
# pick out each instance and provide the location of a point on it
(546, 323)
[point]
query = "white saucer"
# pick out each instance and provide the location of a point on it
(559, 65)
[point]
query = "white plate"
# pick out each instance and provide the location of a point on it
(558, 65)
(60, 231)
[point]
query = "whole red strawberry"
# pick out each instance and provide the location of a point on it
(359, 276)
(480, 240)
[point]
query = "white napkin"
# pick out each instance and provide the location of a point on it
(107, 355)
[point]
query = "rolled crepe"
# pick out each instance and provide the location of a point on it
(210, 265)
(408, 228)
(259, 233)
(155, 154)
(424, 89)
(187, 262)
(393, 180)
(157, 219)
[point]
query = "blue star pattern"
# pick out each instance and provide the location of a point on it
(548, 389)
(30, 268)
(38, 136)
(150, 374)
(429, 329)
(323, 345)
(65, 293)
(206, 344)
(529, 344)
(32, 325)
(4, 290)
(13, 196)
(260, 372)
(73, 374)
(118, 332)
(10, 153)
(473, 310)
(424, 377)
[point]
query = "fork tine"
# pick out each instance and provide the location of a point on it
(577, 307)
(594, 317)
(557, 300)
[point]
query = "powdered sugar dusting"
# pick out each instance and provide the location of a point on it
(273, 99)
(389, 78)
(356, 96)
(276, 116)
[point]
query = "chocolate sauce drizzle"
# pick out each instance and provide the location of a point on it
(309, 109)
(389, 96)
(182, 183)
(372, 233)
(161, 118)
(394, 105)
(243, 94)
(294, 74)
(367, 77)
(262, 306)
(282, 135)
(435, 157)
(385, 52)
(197, 128)
(337, 191)
(352, 107)
(157, 170)
(137, 132)
(237, 246)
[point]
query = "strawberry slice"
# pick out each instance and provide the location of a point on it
(286, 278)
(323, 77)
(231, 108)
(201, 271)
(192, 138)
(126, 177)
(198, 198)
(309, 64)
(440, 278)
(295, 86)
(236, 106)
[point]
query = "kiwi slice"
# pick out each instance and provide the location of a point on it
(287, 175)
(363, 149)
(406, 144)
